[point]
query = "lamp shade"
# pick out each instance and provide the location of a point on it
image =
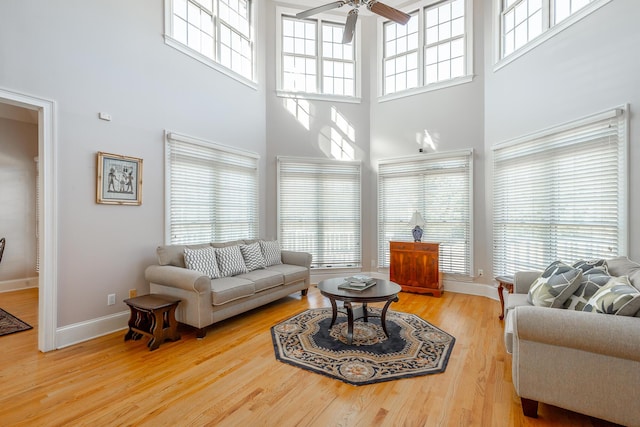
(416, 220)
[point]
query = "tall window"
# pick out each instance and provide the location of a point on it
(319, 210)
(522, 21)
(212, 192)
(440, 187)
(217, 31)
(314, 60)
(561, 195)
(445, 55)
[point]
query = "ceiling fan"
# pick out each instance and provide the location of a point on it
(374, 6)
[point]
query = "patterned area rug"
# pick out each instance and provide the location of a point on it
(414, 346)
(10, 324)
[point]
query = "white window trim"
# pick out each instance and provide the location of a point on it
(546, 33)
(170, 41)
(334, 18)
(435, 156)
(175, 136)
(469, 48)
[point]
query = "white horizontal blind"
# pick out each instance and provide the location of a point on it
(440, 188)
(319, 210)
(561, 196)
(212, 190)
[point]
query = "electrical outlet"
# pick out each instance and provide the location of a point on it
(111, 299)
(480, 272)
(133, 293)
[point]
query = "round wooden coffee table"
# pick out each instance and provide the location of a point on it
(383, 291)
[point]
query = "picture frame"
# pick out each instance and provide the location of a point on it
(119, 179)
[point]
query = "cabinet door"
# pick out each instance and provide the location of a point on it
(401, 267)
(427, 274)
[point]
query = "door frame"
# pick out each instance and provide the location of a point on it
(47, 213)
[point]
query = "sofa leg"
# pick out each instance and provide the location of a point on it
(200, 333)
(304, 292)
(529, 407)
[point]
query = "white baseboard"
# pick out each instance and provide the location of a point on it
(94, 328)
(18, 284)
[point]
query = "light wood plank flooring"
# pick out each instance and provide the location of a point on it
(231, 378)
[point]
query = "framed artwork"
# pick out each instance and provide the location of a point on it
(119, 180)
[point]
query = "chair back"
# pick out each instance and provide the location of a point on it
(3, 241)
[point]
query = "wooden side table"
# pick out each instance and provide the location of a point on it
(504, 282)
(154, 316)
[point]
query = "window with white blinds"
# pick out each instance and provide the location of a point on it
(561, 195)
(212, 192)
(440, 187)
(319, 210)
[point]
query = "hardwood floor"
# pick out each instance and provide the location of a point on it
(231, 378)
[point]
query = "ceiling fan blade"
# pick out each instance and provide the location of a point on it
(388, 12)
(350, 26)
(320, 9)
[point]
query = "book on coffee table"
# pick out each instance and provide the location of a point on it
(356, 286)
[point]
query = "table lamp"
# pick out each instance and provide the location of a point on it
(416, 223)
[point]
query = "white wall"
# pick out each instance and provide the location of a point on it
(588, 68)
(18, 147)
(110, 56)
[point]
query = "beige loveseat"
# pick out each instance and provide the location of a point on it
(582, 361)
(207, 300)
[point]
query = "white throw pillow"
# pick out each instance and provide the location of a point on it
(230, 261)
(271, 252)
(202, 260)
(253, 257)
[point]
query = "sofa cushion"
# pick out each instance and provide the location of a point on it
(202, 260)
(230, 261)
(555, 285)
(174, 254)
(271, 252)
(590, 283)
(228, 289)
(263, 279)
(291, 273)
(586, 265)
(616, 297)
(253, 257)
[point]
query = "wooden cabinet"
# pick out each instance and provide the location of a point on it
(415, 267)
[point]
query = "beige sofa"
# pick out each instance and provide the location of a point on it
(206, 301)
(581, 361)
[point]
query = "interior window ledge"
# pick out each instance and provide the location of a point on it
(551, 32)
(170, 41)
(318, 97)
(423, 89)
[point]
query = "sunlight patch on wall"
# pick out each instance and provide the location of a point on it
(342, 138)
(425, 141)
(300, 109)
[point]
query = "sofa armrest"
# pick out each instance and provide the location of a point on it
(303, 259)
(522, 281)
(617, 336)
(178, 277)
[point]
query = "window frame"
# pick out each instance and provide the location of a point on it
(421, 7)
(416, 166)
(544, 150)
(236, 158)
(549, 30)
(319, 18)
(357, 206)
(215, 63)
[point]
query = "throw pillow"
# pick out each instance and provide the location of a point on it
(555, 285)
(591, 282)
(586, 265)
(616, 297)
(271, 252)
(230, 261)
(202, 260)
(253, 257)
